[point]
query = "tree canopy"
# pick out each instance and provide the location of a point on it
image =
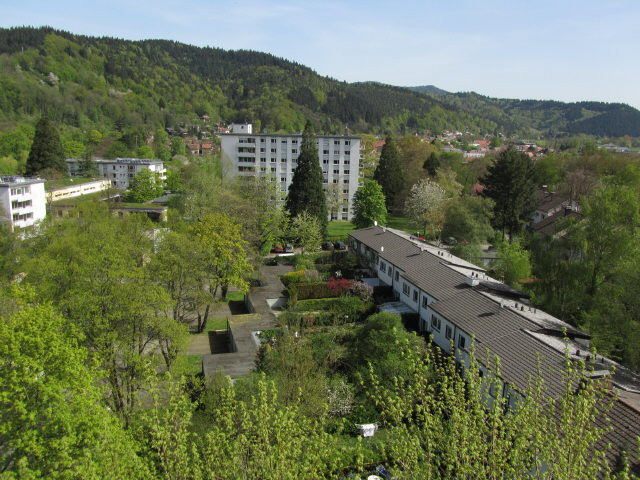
(389, 173)
(369, 205)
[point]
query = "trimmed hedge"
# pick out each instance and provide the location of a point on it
(300, 276)
(304, 291)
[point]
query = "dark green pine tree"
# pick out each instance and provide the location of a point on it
(509, 183)
(46, 149)
(432, 164)
(389, 173)
(305, 192)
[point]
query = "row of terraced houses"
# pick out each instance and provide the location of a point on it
(464, 311)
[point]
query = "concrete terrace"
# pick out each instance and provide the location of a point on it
(242, 360)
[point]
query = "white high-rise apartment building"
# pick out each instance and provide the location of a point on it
(275, 155)
(22, 201)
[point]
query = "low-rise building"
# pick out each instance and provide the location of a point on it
(77, 190)
(22, 201)
(120, 171)
(465, 312)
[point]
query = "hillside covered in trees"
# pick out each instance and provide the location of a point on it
(543, 118)
(88, 82)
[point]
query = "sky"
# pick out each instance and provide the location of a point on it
(565, 50)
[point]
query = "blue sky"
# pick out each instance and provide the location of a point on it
(565, 49)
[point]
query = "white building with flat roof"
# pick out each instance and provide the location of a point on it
(22, 201)
(120, 171)
(275, 155)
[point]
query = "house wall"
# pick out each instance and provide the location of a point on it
(78, 190)
(14, 195)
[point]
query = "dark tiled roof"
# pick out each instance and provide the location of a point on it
(549, 200)
(623, 422)
(549, 225)
(480, 316)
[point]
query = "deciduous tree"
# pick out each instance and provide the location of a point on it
(425, 206)
(369, 205)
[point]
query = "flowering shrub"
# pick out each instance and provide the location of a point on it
(361, 290)
(339, 284)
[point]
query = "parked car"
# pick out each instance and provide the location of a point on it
(340, 246)
(288, 248)
(450, 241)
(327, 246)
(277, 249)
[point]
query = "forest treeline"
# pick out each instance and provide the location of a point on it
(113, 84)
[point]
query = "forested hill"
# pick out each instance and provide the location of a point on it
(536, 118)
(103, 83)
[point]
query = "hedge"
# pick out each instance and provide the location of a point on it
(304, 291)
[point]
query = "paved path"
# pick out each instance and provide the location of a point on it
(242, 361)
(199, 343)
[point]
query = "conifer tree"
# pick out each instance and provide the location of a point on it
(305, 191)
(432, 164)
(389, 173)
(509, 183)
(46, 149)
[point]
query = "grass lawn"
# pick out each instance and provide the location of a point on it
(339, 230)
(235, 296)
(67, 182)
(187, 365)
(399, 222)
(217, 323)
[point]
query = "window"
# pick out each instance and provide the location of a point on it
(262, 140)
(284, 140)
(273, 160)
(346, 180)
(283, 179)
(273, 150)
(336, 162)
(273, 169)
(325, 152)
(262, 149)
(346, 162)
(462, 341)
(294, 142)
(345, 217)
(335, 180)
(346, 172)
(347, 142)
(345, 209)
(347, 152)
(336, 172)
(383, 267)
(448, 333)
(435, 323)
(294, 150)
(336, 142)
(415, 295)
(397, 276)
(273, 140)
(283, 160)
(325, 162)
(425, 301)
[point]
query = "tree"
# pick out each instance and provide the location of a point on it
(389, 173)
(432, 164)
(46, 149)
(369, 205)
(467, 218)
(145, 186)
(225, 252)
(425, 206)
(87, 167)
(509, 182)
(514, 262)
(305, 192)
(53, 423)
(334, 198)
(305, 229)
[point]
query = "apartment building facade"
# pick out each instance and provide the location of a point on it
(22, 201)
(120, 171)
(275, 155)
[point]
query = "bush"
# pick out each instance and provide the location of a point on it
(303, 291)
(341, 285)
(362, 290)
(300, 276)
